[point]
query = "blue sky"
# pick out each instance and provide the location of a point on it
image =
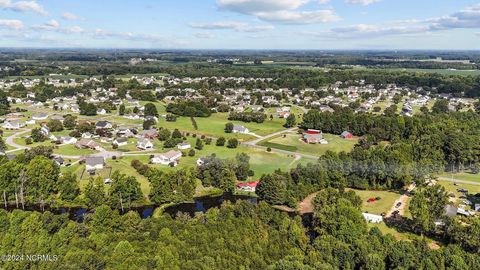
(241, 24)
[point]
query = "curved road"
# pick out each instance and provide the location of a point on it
(10, 141)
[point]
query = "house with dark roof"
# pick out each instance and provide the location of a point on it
(103, 125)
(94, 163)
(121, 141)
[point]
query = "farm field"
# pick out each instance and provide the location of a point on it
(293, 142)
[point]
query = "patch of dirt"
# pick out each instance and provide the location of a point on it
(306, 205)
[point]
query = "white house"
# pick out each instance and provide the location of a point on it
(167, 158)
(240, 129)
(75, 109)
(184, 146)
(120, 141)
(94, 163)
(13, 125)
(101, 111)
(144, 144)
(67, 140)
(371, 218)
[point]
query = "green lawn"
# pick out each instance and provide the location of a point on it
(71, 150)
(215, 124)
(261, 161)
(293, 142)
(466, 176)
(386, 202)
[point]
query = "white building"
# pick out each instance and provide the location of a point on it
(167, 158)
(144, 144)
(371, 218)
(94, 163)
(184, 146)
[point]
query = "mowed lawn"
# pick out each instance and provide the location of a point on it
(387, 199)
(465, 176)
(261, 162)
(71, 150)
(215, 124)
(293, 142)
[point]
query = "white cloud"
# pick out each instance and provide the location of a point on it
(11, 24)
(73, 30)
(51, 25)
(468, 18)
(69, 16)
(253, 6)
(204, 35)
(280, 11)
(23, 6)
(299, 17)
(362, 2)
(230, 25)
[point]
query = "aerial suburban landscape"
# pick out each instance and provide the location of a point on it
(131, 151)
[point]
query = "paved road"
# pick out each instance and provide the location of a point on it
(458, 181)
(10, 141)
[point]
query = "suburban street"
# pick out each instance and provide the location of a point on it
(9, 141)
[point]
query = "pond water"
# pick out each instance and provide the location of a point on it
(201, 204)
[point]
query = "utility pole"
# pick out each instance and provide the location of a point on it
(5, 198)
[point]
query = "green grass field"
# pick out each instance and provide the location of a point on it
(466, 176)
(261, 161)
(386, 202)
(71, 150)
(293, 142)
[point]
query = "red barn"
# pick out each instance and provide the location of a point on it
(346, 135)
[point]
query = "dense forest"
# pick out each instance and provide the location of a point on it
(240, 236)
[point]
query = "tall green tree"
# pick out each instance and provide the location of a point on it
(291, 121)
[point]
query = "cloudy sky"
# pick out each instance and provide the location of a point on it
(241, 24)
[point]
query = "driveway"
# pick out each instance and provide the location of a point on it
(403, 200)
(261, 138)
